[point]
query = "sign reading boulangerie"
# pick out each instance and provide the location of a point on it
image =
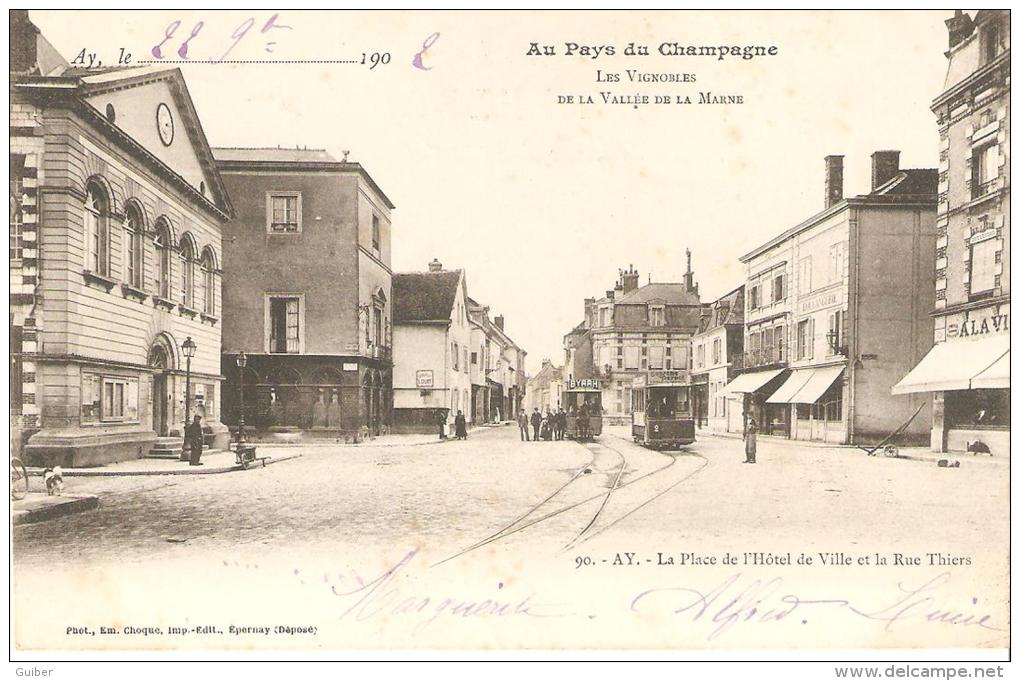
(440, 323)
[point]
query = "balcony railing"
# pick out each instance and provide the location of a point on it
(759, 358)
(979, 190)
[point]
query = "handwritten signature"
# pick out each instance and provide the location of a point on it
(382, 598)
(739, 600)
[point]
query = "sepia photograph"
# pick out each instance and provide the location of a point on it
(630, 334)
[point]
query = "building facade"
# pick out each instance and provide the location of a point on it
(634, 330)
(432, 343)
(115, 250)
(499, 382)
(718, 342)
(966, 374)
(838, 307)
(545, 389)
(307, 291)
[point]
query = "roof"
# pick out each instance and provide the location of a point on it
(729, 309)
(917, 185)
(670, 293)
(546, 375)
(424, 296)
(272, 154)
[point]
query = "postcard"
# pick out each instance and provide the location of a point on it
(653, 331)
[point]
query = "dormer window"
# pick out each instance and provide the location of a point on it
(657, 315)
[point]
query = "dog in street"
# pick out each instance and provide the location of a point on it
(54, 479)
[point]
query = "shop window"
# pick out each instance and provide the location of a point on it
(978, 409)
(829, 406)
(803, 412)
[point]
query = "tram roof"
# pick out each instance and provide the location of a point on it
(583, 390)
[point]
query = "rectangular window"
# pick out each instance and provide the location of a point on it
(285, 324)
(803, 338)
(836, 262)
(699, 356)
(779, 339)
(755, 298)
(284, 212)
(984, 169)
(658, 316)
(717, 351)
(655, 358)
(805, 275)
(632, 357)
(835, 335)
(108, 398)
(376, 239)
(779, 288)
(990, 44)
(982, 266)
(474, 358)
(455, 353)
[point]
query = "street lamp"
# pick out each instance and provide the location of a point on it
(188, 347)
(242, 361)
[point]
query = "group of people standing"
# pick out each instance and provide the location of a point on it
(549, 426)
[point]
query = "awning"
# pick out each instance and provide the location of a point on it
(805, 386)
(797, 380)
(995, 376)
(749, 382)
(952, 366)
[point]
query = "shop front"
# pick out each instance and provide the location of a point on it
(969, 382)
(814, 397)
(756, 387)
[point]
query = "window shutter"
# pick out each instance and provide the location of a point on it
(811, 339)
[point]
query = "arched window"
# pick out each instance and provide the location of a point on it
(188, 257)
(161, 241)
(208, 281)
(134, 231)
(97, 229)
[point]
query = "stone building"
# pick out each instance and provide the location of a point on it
(499, 380)
(116, 212)
(632, 331)
(966, 374)
(306, 293)
(545, 389)
(838, 308)
(715, 349)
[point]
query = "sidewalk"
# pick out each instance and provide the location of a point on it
(218, 461)
(37, 507)
(390, 440)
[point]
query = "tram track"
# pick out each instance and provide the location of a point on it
(518, 525)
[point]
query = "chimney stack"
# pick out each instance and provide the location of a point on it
(833, 180)
(629, 279)
(689, 275)
(498, 321)
(589, 312)
(959, 27)
(23, 42)
(546, 362)
(435, 265)
(884, 167)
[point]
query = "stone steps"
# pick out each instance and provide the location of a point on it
(166, 448)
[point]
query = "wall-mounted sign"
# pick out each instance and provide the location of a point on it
(979, 323)
(350, 366)
(424, 378)
(581, 383)
(821, 300)
(667, 376)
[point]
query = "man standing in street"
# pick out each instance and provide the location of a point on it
(522, 423)
(750, 440)
(193, 440)
(536, 422)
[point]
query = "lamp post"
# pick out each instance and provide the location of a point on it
(188, 347)
(242, 361)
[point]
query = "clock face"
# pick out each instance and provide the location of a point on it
(165, 124)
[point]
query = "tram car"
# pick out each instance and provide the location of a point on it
(661, 413)
(582, 401)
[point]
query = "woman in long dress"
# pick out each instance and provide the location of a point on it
(750, 440)
(460, 424)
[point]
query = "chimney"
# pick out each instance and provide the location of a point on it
(833, 180)
(884, 167)
(498, 321)
(689, 275)
(610, 294)
(629, 279)
(23, 39)
(546, 362)
(435, 265)
(960, 27)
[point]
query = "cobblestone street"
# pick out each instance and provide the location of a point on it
(364, 506)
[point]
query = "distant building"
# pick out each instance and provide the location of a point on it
(116, 214)
(716, 348)
(634, 330)
(432, 353)
(306, 293)
(499, 382)
(966, 374)
(545, 388)
(839, 307)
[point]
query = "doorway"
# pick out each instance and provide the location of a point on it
(161, 362)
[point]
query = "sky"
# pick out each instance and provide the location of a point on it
(542, 203)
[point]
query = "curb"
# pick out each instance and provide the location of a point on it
(72, 506)
(85, 473)
(343, 445)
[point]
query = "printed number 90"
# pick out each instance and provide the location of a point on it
(375, 59)
(583, 561)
